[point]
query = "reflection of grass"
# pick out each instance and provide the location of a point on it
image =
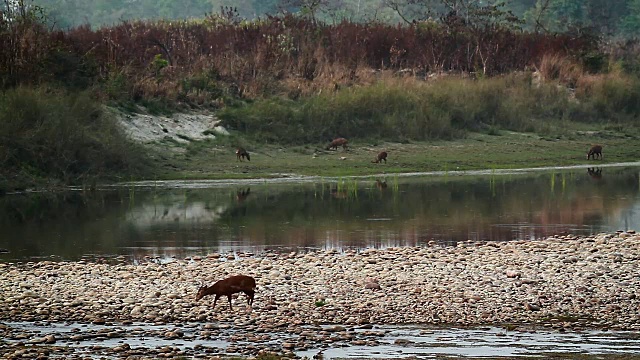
(492, 181)
(132, 195)
(353, 188)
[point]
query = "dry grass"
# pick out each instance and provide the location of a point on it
(554, 67)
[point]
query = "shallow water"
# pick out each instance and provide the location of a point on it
(490, 342)
(392, 341)
(184, 219)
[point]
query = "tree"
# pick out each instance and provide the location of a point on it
(24, 42)
(630, 23)
(474, 13)
(307, 8)
(598, 16)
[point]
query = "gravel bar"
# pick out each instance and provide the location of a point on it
(563, 282)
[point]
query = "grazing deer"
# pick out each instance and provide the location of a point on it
(382, 155)
(229, 286)
(242, 153)
(595, 152)
(338, 142)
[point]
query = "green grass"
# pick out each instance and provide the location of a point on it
(452, 124)
(217, 160)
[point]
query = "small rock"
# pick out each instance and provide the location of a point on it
(373, 286)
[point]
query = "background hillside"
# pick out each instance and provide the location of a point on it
(610, 18)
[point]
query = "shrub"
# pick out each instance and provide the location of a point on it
(559, 67)
(68, 137)
(610, 97)
(400, 109)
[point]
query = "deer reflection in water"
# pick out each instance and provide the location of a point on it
(595, 173)
(241, 195)
(339, 194)
(381, 185)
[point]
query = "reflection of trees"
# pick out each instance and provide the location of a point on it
(420, 211)
(60, 224)
(408, 212)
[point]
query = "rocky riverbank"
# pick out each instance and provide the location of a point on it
(322, 297)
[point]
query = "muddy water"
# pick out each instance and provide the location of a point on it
(182, 219)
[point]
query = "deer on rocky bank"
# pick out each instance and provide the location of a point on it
(229, 286)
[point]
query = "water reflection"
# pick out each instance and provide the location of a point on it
(241, 195)
(595, 173)
(349, 213)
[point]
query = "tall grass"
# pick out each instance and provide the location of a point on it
(69, 138)
(609, 97)
(405, 109)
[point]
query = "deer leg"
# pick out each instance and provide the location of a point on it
(230, 306)
(215, 301)
(250, 294)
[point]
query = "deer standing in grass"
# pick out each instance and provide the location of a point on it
(242, 153)
(338, 142)
(229, 286)
(595, 151)
(382, 155)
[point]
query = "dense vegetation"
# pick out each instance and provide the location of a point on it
(273, 80)
(62, 137)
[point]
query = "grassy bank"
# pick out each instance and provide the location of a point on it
(285, 87)
(513, 121)
(499, 150)
(453, 123)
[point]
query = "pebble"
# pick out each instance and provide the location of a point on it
(531, 282)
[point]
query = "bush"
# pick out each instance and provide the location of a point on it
(609, 97)
(400, 110)
(48, 134)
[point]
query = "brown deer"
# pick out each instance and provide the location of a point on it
(382, 155)
(242, 153)
(229, 286)
(595, 152)
(338, 142)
